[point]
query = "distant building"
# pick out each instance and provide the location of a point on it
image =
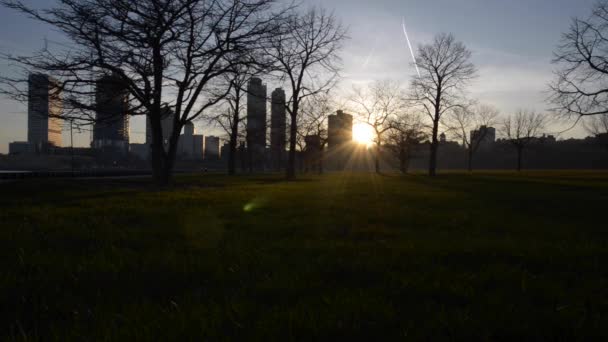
(312, 152)
(225, 151)
(484, 136)
(212, 148)
(44, 104)
(339, 130)
(278, 128)
(339, 139)
(443, 138)
(256, 123)
(111, 129)
(20, 148)
(198, 141)
(190, 145)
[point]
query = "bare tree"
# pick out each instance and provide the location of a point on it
(379, 105)
(597, 125)
(230, 118)
(306, 56)
(521, 130)
(580, 87)
(407, 131)
(471, 126)
(166, 53)
(315, 111)
(446, 69)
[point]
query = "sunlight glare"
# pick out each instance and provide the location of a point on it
(363, 134)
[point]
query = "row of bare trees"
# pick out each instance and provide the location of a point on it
(580, 90)
(181, 56)
(399, 125)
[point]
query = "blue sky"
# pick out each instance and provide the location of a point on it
(512, 43)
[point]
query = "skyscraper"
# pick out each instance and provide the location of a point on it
(339, 129)
(339, 138)
(256, 123)
(483, 137)
(111, 129)
(278, 126)
(44, 102)
(212, 148)
(190, 145)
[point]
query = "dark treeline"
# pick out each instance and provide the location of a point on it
(543, 153)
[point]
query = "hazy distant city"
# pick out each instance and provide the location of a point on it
(264, 145)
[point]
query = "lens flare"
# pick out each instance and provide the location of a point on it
(363, 134)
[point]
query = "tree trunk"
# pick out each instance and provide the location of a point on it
(321, 160)
(249, 154)
(232, 152)
(470, 159)
(166, 171)
(232, 157)
(377, 159)
(159, 170)
(520, 152)
(291, 163)
(403, 158)
(160, 160)
(434, 146)
(234, 134)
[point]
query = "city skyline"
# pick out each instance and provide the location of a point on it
(304, 170)
(514, 60)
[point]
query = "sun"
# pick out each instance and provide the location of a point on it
(363, 134)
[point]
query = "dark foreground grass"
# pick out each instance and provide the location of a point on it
(496, 256)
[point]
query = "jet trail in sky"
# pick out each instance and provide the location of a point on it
(407, 38)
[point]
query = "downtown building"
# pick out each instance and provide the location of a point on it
(190, 146)
(256, 124)
(43, 110)
(484, 137)
(111, 129)
(212, 148)
(339, 139)
(278, 129)
(339, 130)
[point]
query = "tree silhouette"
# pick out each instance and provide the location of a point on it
(378, 106)
(407, 131)
(580, 87)
(521, 129)
(306, 56)
(167, 54)
(464, 120)
(231, 118)
(314, 113)
(445, 70)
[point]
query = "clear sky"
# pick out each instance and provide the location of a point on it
(512, 43)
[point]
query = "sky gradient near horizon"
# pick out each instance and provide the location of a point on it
(512, 44)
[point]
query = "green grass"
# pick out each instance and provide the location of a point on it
(495, 256)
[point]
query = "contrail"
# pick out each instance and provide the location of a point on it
(370, 55)
(407, 38)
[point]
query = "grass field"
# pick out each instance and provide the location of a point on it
(495, 256)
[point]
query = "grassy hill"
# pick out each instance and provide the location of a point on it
(497, 256)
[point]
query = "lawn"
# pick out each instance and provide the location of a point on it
(495, 256)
